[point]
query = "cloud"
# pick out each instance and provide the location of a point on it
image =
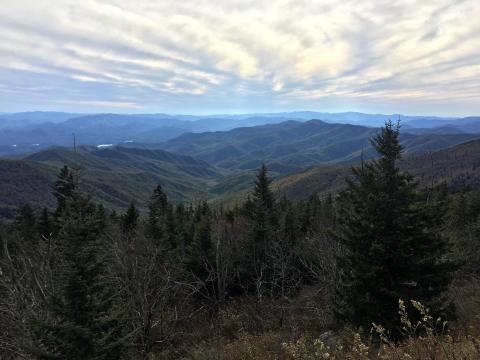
(197, 56)
(102, 104)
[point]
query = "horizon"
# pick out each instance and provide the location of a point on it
(163, 57)
(260, 114)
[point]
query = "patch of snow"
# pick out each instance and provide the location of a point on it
(104, 145)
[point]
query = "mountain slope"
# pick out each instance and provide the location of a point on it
(291, 146)
(113, 176)
(24, 182)
(458, 166)
(116, 176)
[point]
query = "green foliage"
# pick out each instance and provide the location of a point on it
(129, 220)
(63, 188)
(455, 168)
(45, 224)
(85, 322)
(158, 209)
(25, 223)
(200, 256)
(261, 210)
(392, 243)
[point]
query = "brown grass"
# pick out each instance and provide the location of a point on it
(296, 330)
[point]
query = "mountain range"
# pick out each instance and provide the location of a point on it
(303, 157)
(292, 146)
(28, 132)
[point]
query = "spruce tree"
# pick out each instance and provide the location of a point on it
(85, 321)
(262, 193)
(183, 233)
(392, 244)
(200, 258)
(44, 224)
(25, 223)
(129, 220)
(261, 210)
(158, 209)
(64, 187)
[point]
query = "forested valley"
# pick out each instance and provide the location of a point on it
(383, 269)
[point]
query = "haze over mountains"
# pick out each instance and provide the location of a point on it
(22, 133)
(123, 157)
(292, 145)
(116, 176)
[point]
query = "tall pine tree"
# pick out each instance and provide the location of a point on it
(129, 220)
(85, 321)
(64, 187)
(261, 210)
(392, 244)
(158, 209)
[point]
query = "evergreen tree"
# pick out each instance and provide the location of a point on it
(262, 211)
(200, 256)
(170, 241)
(129, 221)
(262, 193)
(86, 322)
(114, 217)
(101, 216)
(44, 224)
(64, 187)
(158, 209)
(392, 244)
(459, 213)
(283, 253)
(183, 232)
(25, 223)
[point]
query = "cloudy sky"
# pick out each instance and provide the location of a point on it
(230, 56)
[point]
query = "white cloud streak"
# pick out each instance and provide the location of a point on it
(242, 54)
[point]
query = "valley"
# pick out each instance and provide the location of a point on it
(303, 157)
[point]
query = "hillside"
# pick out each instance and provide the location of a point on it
(114, 176)
(292, 146)
(458, 166)
(117, 175)
(24, 182)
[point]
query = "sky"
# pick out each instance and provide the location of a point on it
(237, 56)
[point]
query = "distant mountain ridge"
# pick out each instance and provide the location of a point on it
(115, 176)
(292, 146)
(22, 133)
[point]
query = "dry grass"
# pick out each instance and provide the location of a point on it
(253, 332)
